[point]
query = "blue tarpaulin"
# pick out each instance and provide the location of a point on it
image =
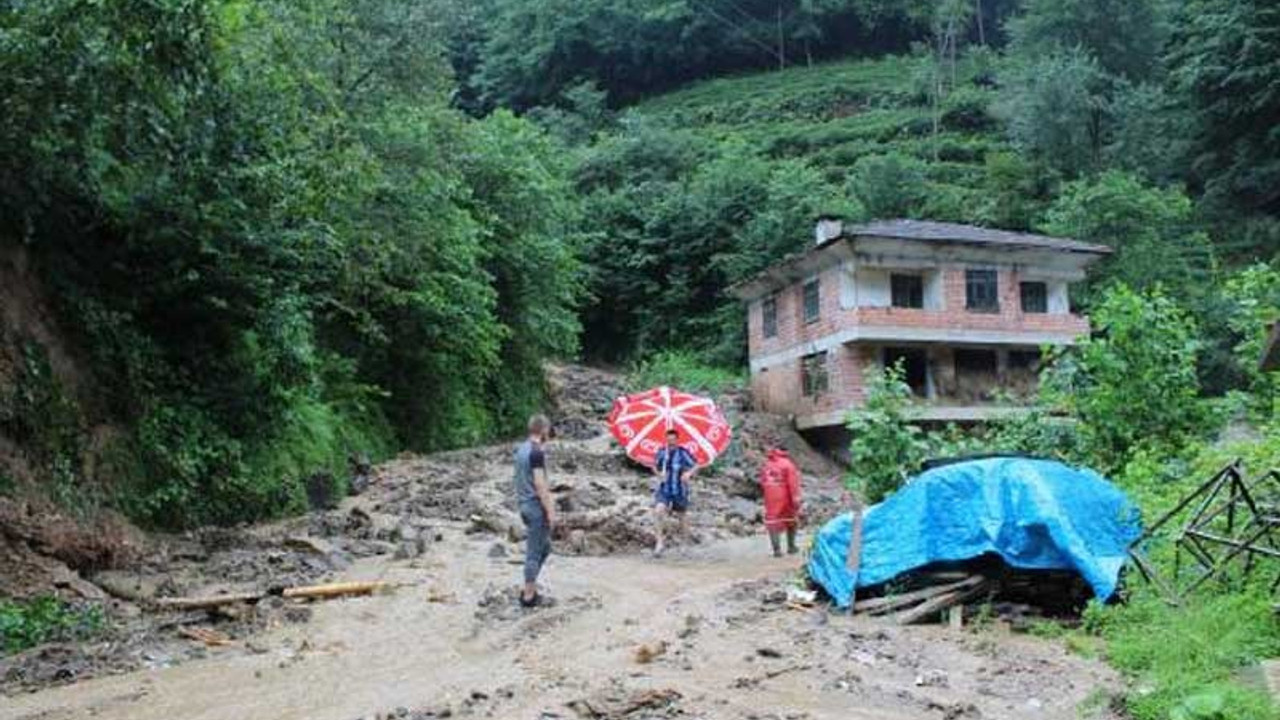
(1035, 514)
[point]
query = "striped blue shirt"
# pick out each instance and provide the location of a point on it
(672, 468)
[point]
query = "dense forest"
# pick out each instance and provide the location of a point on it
(284, 233)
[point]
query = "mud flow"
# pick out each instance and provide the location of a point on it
(710, 630)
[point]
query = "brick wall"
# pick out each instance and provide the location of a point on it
(792, 329)
(778, 389)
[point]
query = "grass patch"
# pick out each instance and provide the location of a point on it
(685, 371)
(47, 619)
(1182, 661)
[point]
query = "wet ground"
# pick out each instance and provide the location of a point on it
(704, 632)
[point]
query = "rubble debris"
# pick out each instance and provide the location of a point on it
(646, 654)
(616, 704)
(211, 638)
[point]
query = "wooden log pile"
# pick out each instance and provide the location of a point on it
(950, 593)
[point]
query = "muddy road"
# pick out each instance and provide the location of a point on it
(704, 632)
(719, 644)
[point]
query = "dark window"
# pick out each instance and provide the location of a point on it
(907, 290)
(770, 309)
(981, 291)
(812, 301)
(1024, 360)
(1035, 297)
(915, 367)
(813, 374)
(976, 362)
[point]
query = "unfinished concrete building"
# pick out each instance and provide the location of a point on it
(966, 310)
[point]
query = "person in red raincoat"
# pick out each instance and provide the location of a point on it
(780, 482)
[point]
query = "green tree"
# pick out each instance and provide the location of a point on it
(1133, 383)
(1126, 37)
(1226, 64)
(886, 448)
(1151, 134)
(1151, 230)
(1057, 108)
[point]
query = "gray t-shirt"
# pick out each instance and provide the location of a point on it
(528, 458)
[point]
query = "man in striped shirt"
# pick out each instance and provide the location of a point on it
(676, 467)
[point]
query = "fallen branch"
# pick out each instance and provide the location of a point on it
(311, 592)
(206, 603)
(335, 590)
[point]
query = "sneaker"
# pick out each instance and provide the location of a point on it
(530, 601)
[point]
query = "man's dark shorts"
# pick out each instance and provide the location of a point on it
(675, 502)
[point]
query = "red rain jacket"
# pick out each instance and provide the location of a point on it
(780, 481)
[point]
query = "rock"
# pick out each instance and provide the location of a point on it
(578, 541)
(776, 596)
(306, 543)
(747, 511)
(127, 585)
(338, 560)
(497, 550)
(297, 614)
(407, 550)
(770, 653)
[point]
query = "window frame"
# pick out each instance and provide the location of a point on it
(1044, 297)
(815, 375)
(971, 298)
(816, 284)
(769, 316)
(914, 294)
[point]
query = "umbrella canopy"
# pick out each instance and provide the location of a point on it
(640, 423)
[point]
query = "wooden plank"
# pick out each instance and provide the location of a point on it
(853, 560)
(335, 590)
(889, 603)
(940, 603)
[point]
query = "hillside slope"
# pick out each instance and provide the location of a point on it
(836, 114)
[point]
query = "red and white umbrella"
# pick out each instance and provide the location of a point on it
(640, 423)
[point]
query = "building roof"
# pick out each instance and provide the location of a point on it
(927, 231)
(941, 232)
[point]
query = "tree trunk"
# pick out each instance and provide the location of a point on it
(982, 33)
(782, 43)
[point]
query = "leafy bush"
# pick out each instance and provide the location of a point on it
(890, 185)
(683, 370)
(1254, 296)
(886, 448)
(46, 619)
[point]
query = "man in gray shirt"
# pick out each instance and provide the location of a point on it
(533, 496)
